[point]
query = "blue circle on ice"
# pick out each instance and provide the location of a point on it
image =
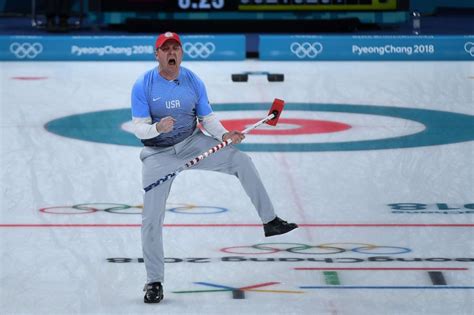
(441, 127)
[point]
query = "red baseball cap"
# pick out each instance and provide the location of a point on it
(165, 37)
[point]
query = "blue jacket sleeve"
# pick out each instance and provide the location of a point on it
(140, 108)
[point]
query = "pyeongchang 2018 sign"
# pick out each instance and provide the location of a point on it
(368, 48)
(126, 48)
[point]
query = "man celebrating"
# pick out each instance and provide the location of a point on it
(167, 103)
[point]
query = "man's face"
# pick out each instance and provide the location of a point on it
(169, 55)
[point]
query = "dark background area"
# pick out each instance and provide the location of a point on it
(92, 17)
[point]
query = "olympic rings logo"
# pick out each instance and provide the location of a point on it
(306, 49)
(117, 208)
(322, 249)
(198, 49)
(469, 48)
(26, 50)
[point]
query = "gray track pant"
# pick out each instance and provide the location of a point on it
(158, 162)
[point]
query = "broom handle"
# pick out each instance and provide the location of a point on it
(226, 142)
(258, 123)
(204, 155)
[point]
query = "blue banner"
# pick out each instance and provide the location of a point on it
(370, 48)
(214, 47)
(126, 48)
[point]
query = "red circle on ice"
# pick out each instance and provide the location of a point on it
(287, 126)
(29, 78)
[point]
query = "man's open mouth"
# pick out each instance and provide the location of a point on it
(172, 61)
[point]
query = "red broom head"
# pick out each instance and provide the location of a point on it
(276, 109)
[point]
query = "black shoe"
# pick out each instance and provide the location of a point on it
(154, 292)
(277, 226)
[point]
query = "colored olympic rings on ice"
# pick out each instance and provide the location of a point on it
(191, 209)
(117, 208)
(321, 249)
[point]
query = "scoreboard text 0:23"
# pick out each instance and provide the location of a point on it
(251, 5)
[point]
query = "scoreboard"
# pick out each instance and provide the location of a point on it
(253, 5)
